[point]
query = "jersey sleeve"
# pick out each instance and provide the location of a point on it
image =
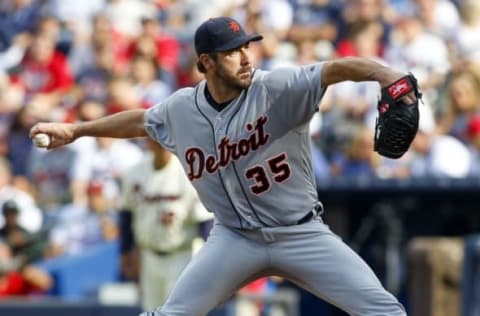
(156, 124)
(295, 92)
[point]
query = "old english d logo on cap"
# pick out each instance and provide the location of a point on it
(221, 34)
(234, 26)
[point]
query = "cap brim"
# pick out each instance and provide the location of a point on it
(239, 41)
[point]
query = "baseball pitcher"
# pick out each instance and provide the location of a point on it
(241, 136)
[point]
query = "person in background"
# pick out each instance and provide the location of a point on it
(78, 228)
(27, 247)
(44, 69)
(437, 155)
(461, 103)
(30, 216)
(17, 279)
(473, 137)
(162, 217)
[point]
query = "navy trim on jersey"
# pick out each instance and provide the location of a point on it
(236, 172)
(217, 106)
(216, 155)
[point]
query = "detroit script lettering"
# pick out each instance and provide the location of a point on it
(198, 162)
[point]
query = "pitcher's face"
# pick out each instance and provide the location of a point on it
(234, 67)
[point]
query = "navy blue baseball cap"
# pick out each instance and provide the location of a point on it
(221, 34)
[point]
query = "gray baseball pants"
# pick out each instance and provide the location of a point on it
(310, 255)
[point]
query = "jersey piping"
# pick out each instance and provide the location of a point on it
(216, 155)
(236, 172)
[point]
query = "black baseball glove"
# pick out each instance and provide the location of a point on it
(397, 122)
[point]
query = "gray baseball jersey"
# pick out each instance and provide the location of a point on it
(250, 164)
(239, 158)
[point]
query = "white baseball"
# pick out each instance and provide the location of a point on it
(41, 140)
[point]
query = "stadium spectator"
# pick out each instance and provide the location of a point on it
(358, 159)
(410, 41)
(147, 86)
(17, 17)
(13, 54)
(188, 75)
(126, 15)
(167, 47)
(465, 41)
(437, 155)
(363, 39)
(439, 17)
(26, 247)
(92, 79)
(110, 158)
(78, 228)
(19, 144)
(252, 306)
(30, 216)
(370, 15)
(277, 16)
(61, 176)
(76, 14)
(316, 20)
(462, 103)
(20, 280)
(473, 136)
(122, 95)
(96, 57)
(44, 69)
(11, 101)
(321, 166)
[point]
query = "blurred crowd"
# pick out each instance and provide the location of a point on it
(80, 60)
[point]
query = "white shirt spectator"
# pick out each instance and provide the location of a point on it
(111, 161)
(116, 157)
(153, 93)
(466, 38)
(467, 42)
(11, 57)
(277, 15)
(30, 216)
(447, 157)
(79, 13)
(126, 15)
(76, 229)
(412, 56)
(446, 18)
(56, 172)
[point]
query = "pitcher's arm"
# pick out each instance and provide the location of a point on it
(126, 124)
(360, 69)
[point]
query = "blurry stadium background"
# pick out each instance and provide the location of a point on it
(415, 220)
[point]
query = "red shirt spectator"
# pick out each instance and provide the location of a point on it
(167, 46)
(13, 284)
(105, 37)
(364, 39)
(30, 280)
(43, 69)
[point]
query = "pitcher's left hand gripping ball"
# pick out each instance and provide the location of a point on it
(397, 122)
